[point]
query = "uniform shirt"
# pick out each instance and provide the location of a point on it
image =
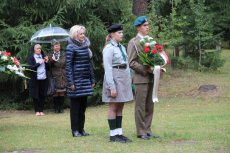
(41, 70)
(141, 36)
(112, 56)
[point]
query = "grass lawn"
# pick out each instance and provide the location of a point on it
(188, 121)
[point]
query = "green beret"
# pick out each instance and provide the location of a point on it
(140, 20)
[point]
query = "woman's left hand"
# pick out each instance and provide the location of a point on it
(46, 59)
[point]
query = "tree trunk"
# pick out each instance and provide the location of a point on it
(199, 49)
(140, 7)
(177, 51)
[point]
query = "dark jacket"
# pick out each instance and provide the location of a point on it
(57, 70)
(33, 82)
(79, 71)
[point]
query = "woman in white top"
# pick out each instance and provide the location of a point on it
(37, 84)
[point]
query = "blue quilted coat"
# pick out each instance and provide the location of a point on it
(79, 69)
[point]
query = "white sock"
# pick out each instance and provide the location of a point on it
(113, 132)
(119, 131)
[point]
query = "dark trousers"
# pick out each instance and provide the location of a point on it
(40, 101)
(77, 113)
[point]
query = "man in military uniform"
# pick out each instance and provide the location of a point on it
(143, 81)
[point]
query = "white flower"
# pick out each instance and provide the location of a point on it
(142, 40)
(4, 58)
(12, 68)
(153, 43)
(20, 73)
(150, 39)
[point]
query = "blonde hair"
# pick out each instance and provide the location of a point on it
(75, 30)
(37, 45)
(107, 39)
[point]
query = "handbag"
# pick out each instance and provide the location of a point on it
(51, 86)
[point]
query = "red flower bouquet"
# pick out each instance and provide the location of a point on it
(153, 56)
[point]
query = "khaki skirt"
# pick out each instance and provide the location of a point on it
(122, 80)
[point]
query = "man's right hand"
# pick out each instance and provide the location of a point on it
(150, 70)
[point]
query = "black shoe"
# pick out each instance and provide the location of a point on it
(61, 110)
(76, 134)
(116, 138)
(151, 135)
(125, 138)
(144, 137)
(61, 104)
(83, 133)
(56, 111)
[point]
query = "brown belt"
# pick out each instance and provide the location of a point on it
(124, 66)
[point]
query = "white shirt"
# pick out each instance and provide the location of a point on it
(41, 70)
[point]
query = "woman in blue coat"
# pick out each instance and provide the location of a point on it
(80, 78)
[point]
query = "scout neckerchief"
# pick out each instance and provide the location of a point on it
(122, 53)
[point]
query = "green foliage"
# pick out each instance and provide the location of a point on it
(183, 63)
(178, 24)
(212, 60)
(187, 26)
(19, 20)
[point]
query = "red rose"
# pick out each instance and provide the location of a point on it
(160, 47)
(16, 62)
(156, 46)
(154, 51)
(146, 49)
(7, 53)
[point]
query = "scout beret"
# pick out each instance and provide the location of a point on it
(140, 20)
(114, 28)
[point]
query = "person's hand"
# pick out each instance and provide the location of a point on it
(149, 70)
(46, 59)
(162, 72)
(53, 58)
(41, 61)
(113, 93)
(93, 85)
(72, 87)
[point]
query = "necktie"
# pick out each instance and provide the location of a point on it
(57, 55)
(123, 54)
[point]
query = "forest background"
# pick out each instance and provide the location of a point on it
(192, 32)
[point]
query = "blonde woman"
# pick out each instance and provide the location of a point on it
(80, 78)
(37, 84)
(117, 82)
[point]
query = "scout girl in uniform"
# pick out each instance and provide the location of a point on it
(117, 82)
